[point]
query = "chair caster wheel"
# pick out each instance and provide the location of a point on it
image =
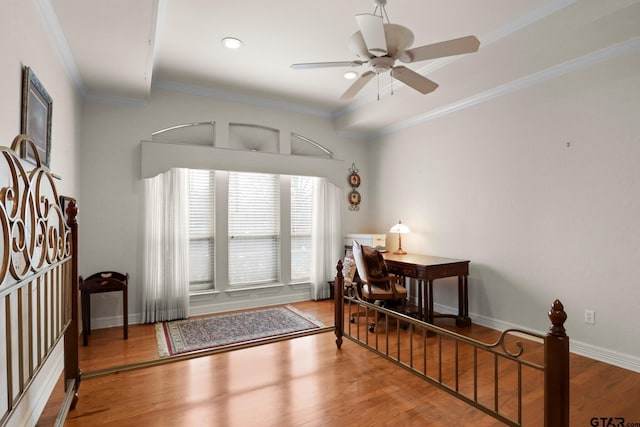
(352, 320)
(372, 329)
(404, 326)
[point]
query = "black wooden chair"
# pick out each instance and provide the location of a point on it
(104, 281)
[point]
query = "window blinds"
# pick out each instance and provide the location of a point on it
(254, 228)
(201, 230)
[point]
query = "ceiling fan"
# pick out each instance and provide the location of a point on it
(380, 45)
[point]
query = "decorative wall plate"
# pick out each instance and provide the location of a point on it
(354, 200)
(354, 179)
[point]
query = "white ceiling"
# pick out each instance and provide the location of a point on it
(121, 48)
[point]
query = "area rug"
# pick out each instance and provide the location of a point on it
(184, 336)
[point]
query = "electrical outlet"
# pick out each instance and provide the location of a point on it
(590, 317)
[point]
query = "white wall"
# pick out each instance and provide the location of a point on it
(496, 183)
(111, 187)
(25, 41)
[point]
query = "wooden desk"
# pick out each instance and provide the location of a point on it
(426, 269)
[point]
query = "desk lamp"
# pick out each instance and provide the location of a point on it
(399, 228)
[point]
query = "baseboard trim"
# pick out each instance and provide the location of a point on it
(114, 321)
(611, 357)
(621, 360)
(30, 405)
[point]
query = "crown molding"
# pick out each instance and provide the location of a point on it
(51, 23)
(577, 64)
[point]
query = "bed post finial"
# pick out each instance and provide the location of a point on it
(71, 211)
(556, 369)
(557, 316)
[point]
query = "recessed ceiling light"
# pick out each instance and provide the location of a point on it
(231, 42)
(350, 75)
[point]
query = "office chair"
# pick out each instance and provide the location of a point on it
(376, 284)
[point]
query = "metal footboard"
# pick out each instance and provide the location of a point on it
(491, 376)
(38, 286)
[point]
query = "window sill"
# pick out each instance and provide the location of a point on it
(203, 293)
(251, 290)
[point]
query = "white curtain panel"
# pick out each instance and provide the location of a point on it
(165, 277)
(326, 235)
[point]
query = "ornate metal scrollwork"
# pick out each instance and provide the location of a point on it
(501, 342)
(34, 231)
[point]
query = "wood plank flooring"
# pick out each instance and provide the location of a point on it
(302, 382)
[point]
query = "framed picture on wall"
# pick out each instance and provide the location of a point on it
(36, 117)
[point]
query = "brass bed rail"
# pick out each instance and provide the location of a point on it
(493, 377)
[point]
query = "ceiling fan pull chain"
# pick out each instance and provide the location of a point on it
(391, 74)
(378, 80)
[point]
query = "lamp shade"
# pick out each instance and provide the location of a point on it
(400, 228)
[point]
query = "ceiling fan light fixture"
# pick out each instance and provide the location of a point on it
(381, 64)
(379, 44)
(232, 43)
(350, 75)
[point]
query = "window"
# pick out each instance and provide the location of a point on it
(201, 230)
(254, 228)
(301, 218)
(253, 203)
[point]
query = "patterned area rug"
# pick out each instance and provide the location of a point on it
(184, 336)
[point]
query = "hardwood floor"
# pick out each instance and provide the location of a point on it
(302, 382)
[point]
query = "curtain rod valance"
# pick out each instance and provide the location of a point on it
(158, 158)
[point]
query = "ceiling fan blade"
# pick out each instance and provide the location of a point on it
(372, 29)
(413, 79)
(358, 85)
(327, 64)
(452, 47)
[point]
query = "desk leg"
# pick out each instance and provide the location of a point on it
(88, 313)
(125, 312)
(463, 318)
(85, 300)
(430, 302)
(419, 291)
